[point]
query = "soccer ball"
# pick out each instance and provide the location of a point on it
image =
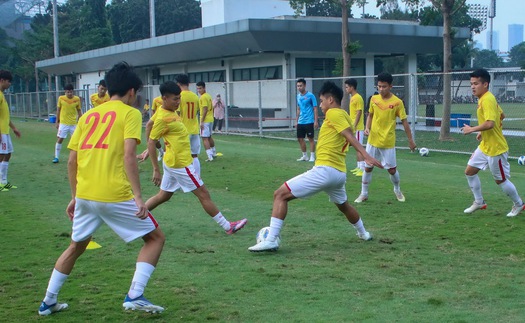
(262, 235)
(424, 152)
(521, 160)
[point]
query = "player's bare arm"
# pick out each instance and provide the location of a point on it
(411, 142)
(15, 130)
(152, 151)
(203, 117)
(58, 117)
(316, 121)
(368, 123)
(357, 118)
(72, 175)
(132, 171)
(351, 139)
(487, 125)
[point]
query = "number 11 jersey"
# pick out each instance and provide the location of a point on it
(188, 108)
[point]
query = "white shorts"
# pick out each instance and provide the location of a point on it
(387, 156)
(317, 179)
(120, 217)
(64, 130)
(499, 165)
(6, 146)
(359, 135)
(195, 144)
(175, 178)
(206, 129)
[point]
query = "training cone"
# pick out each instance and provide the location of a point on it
(219, 154)
(93, 245)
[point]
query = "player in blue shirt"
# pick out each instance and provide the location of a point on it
(306, 120)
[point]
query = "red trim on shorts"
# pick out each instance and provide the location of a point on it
(501, 170)
(193, 179)
(288, 187)
(155, 223)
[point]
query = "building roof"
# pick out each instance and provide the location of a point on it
(286, 34)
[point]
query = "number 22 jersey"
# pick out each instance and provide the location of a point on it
(99, 143)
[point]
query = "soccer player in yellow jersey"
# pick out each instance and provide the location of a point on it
(105, 188)
(328, 173)
(206, 115)
(6, 145)
(492, 151)
(357, 115)
(145, 110)
(101, 96)
(189, 106)
(68, 108)
(157, 103)
(178, 168)
(380, 128)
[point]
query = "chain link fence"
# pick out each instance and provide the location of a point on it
(267, 108)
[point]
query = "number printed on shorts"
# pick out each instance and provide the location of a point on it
(107, 121)
(191, 110)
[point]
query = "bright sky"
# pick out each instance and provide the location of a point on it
(507, 12)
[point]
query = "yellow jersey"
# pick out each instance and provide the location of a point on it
(157, 103)
(99, 142)
(96, 100)
(168, 125)
(493, 142)
(357, 104)
(146, 107)
(206, 101)
(189, 105)
(68, 109)
(331, 145)
(383, 128)
(4, 115)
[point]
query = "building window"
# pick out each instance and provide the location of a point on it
(258, 73)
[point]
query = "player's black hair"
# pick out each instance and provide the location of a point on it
(202, 84)
(182, 79)
(169, 87)
(331, 89)
(6, 75)
(481, 73)
(352, 83)
(103, 83)
(121, 78)
(69, 87)
(301, 81)
(385, 77)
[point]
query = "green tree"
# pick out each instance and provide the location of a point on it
(517, 55)
(347, 48)
(129, 20)
(324, 8)
(487, 58)
(175, 16)
(447, 8)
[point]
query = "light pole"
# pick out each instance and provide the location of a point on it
(492, 14)
(55, 38)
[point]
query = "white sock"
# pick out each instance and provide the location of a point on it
(366, 179)
(511, 191)
(275, 228)
(58, 147)
(361, 165)
(305, 154)
(55, 283)
(141, 277)
(475, 187)
(3, 169)
(213, 150)
(197, 165)
(209, 152)
(312, 155)
(161, 152)
(359, 226)
(221, 220)
(395, 180)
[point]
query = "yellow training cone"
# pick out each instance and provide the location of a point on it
(93, 245)
(219, 154)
